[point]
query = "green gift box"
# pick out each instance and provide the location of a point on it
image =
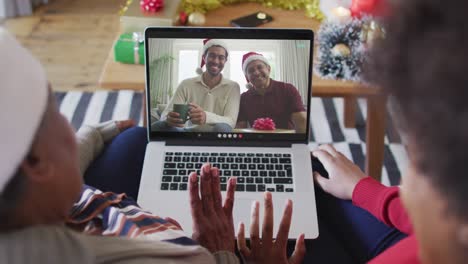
(130, 48)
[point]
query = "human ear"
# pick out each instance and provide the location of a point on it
(37, 167)
(462, 235)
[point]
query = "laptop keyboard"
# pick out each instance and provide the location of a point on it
(255, 172)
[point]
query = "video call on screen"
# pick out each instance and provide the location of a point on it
(264, 92)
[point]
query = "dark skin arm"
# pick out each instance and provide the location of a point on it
(213, 225)
(300, 121)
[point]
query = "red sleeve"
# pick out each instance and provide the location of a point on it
(383, 202)
(295, 99)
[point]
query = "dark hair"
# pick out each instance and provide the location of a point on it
(219, 46)
(10, 198)
(422, 64)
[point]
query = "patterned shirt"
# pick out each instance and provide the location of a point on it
(110, 214)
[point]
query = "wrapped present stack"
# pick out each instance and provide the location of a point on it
(135, 16)
(138, 15)
(129, 48)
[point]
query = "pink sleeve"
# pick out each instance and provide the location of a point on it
(383, 202)
(403, 252)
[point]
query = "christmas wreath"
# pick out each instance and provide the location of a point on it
(341, 51)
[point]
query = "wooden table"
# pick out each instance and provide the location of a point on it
(125, 76)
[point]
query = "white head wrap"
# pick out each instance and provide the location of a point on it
(23, 100)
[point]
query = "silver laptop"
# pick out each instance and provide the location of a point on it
(260, 138)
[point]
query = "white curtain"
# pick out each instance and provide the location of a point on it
(294, 65)
(12, 8)
(161, 61)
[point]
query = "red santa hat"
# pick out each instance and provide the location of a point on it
(208, 43)
(247, 59)
(23, 100)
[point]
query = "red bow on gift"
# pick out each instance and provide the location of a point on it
(151, 5)
(264, 124)
(368, 7)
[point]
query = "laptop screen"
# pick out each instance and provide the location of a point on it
(235, 85)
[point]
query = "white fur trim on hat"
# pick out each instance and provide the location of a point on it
(214, 42)
(23, 100)
(253, 58)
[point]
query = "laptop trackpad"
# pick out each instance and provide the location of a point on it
(243, 211)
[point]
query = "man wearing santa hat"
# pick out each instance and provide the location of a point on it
(213, 99)
(269, 98)
(47, 215)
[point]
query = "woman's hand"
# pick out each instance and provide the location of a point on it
(343, 174)
(213, 226)
(266, 249)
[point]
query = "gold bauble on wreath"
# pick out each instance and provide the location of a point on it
(341, 50)
(196, 19)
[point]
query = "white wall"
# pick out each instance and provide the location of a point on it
(12, 8)
(3, 8)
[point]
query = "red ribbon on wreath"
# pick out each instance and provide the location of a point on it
(151, 5)
(264, 124)
(369, 7)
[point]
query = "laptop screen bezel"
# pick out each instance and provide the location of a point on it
(210, 138)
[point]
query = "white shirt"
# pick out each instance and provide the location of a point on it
(220, 103)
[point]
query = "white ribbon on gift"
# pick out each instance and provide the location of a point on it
(137, 38)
